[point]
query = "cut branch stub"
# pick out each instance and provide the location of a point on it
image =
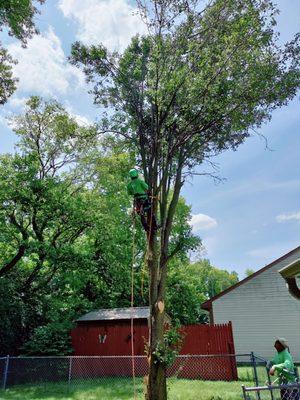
(161, 306)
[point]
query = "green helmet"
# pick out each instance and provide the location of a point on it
(133, 173)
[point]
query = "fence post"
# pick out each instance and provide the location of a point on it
(253, 361)
(5, 372)
(270, 384)
(244, 392)
(70, 370)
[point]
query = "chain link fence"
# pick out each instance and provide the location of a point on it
(36, 370)
(115, 374)
(289, 391)
(270, 388)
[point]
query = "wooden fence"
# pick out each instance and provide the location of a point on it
(111, 339)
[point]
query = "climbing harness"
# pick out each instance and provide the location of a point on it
(143, 270)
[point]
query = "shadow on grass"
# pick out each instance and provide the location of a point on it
(110, 389)
(122, 389)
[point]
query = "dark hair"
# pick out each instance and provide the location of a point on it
(281, 345)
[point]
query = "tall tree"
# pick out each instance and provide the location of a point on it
(44, 211)
(39, 211)
(195, 87)
(200, 83)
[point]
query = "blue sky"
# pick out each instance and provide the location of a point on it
(247, 221)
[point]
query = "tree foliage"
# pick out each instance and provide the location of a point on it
(190, 284)
(16, 16)
(66, 230)
(40, 212)
(44, 212)
(7, 82)
(51, 339)
(249, 272)
(203, 86)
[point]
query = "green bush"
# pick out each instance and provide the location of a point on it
(51, 339)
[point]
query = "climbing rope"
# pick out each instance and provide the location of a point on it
(142, 285)
(132, 305)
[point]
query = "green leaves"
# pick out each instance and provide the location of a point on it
(51, 339)
(54, 137)
(94, 59)
(7, 82)
(203, 82)
(190, 284)
(18, 15)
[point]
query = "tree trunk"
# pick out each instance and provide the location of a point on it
(157, 266)
(156, 387)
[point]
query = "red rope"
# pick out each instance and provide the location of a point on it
(132, 305)
(142, 288)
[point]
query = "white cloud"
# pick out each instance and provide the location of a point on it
(17, 102)
(288, 217)
(80, 119)
(5, 118)
(43, 68)
(110, 22)
(3, 121)
(202, 222)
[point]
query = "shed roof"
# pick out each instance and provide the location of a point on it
(111, 314)
(207, 305)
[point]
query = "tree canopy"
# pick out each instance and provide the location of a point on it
(204, 83)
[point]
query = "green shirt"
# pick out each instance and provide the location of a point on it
(137, 187)
(283, 361)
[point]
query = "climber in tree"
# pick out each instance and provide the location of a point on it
(139, 189)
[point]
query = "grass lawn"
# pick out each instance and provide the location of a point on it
(122, 389)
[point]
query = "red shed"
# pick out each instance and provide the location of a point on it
(108, 332)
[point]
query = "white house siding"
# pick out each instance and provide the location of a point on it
(261, 309)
